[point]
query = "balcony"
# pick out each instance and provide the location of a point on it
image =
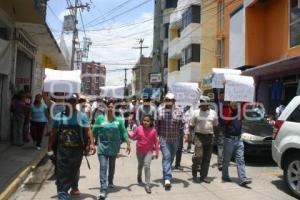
(190, 35)
(176, 15)
(175, 18)
(175, 48)
(26, 11)
(188, 73)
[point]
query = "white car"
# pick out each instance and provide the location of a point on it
(286, 145)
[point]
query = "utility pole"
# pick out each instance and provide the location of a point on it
(141, 47)
(75, 30)
(125, 83)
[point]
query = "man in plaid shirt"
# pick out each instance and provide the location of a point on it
(169, 123)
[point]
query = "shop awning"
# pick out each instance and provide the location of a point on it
(47, 45)
(279, 67)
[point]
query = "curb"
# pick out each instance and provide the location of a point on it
(17, 182)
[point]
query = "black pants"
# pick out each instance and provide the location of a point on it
(67, 168)
(179, 151)
(37, 131)
(202, 154)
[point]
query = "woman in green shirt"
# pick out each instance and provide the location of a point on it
(110, 132)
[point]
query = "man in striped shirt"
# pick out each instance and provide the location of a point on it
(169, 123)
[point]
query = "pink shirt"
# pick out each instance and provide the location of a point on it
(146, 139)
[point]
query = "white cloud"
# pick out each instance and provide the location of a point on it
(61, 16)
(115, 46)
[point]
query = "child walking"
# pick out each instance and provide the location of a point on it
(147, 141)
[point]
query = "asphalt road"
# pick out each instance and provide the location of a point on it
(267, 182)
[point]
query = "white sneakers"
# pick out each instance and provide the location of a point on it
(167, 184)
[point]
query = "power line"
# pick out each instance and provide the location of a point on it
(110, 11)
(141, 22)
(122, 13)
(82, 23)
(53, 13)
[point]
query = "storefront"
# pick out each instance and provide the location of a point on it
(276, 82)
(26, 51)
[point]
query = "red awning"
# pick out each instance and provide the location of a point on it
(279, 67)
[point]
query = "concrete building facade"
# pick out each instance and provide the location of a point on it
(162, 13)
(27, 47)
(140, 75)
(262, 38)
(93, 77)
(192, 42)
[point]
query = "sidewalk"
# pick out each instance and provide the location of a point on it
(16, 164)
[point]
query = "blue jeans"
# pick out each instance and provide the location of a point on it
(63, 196)
(106, 162)
(234, 147)
(168, 150)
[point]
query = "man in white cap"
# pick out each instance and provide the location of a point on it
(169, 123)
(204, 122)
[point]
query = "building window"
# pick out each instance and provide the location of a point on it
(166, 60)
(171, 4)
(191, 54)
(178, 64)
(178, 33)
(294, 23)
(166, 31)
(192, 15)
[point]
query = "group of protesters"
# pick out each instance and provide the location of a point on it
(77, 127)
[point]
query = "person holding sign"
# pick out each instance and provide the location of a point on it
(233, 146)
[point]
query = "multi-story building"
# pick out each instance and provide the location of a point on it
(262, 37)
(141, 74)
(93, 77)
(27, 47)
(192, 40)
(163, 10)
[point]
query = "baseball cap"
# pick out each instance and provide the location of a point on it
(170, 95)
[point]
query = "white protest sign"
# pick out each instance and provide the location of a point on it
(185, 93)
(112, 92)
(62, 81)
(239, 88)
(218, 78)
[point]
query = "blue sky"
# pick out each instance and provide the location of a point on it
(112, 45)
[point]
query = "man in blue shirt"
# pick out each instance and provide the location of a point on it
(74, 138)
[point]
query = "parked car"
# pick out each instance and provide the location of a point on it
(286, 145)
(257, 134)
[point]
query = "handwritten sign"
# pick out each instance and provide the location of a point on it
(239, 88)
(186, 93)
(218, 78)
